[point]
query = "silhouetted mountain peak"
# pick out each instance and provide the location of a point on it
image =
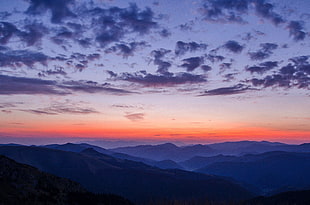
(167, 146)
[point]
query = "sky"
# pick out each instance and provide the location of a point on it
(190, 71)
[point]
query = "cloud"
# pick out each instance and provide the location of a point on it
(262, 67)
(17, 58)
(62, 108)
(192, 63)
(162, 65)
(78, 60)
(10, 85)
(215, 58)
(229, 77)
(33, 33)
(206, 68)
(295, 74)
(224, 11)
(58, 8)
(114, 23)
(225, 66)
(134, 117)
(231, 11)
(237, 89)
(169, 79)
(55, 71)
(124, 106)
(264, 52)
(265, 10)
(296, 30)
(9, 105)
(181, 47)
(233, 46)
(126, 49)
(7, 31)
(63, 34)
(92, 87)
(165, 33)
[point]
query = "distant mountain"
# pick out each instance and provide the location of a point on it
(164, 164)
(166, 151)
(76, 147)
(23, 184)
(270, 172)
(200, 162)
(136, 181)
(285, 198)
(170, 151)
(254, 147)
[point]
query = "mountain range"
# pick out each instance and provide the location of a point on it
(101, 173)
(217, 172)
(170, 151)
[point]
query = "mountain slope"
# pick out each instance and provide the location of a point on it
(136, 181)
(200, 162)
(270, 172)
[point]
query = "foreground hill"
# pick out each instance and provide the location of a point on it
(23, 184)
(285, 198)
(270, 172)
(136, 181)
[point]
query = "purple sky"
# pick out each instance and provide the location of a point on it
(198, 71)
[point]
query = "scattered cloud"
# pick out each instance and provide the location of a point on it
(7, 31)
(169, 79)
(17, 58)
(265, 10)
(262, 67)
(114, 23)
(10, 85)
(92, 87)
(215, 58)
(162, 65)
(296, 30)
(224, 11)
(224, 66)
(265, 51)
(134, 117)
(192, 63)
(182, 48)
(58, 8)
(55, 71)
(126, 50)
(206, 68)
(62, 108)
(9, 105)
(295, 74)
(233, 46)
(237, 89)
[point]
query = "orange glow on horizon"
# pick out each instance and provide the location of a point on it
(182, 134)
